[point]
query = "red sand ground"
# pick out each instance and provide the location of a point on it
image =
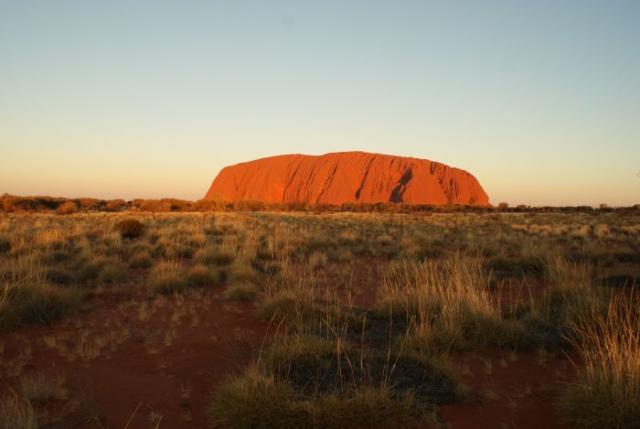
(345, 177)
(211, 340)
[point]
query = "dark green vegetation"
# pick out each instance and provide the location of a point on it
(374, 351)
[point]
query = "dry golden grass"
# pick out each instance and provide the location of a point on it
(452, 281)
(607, 392)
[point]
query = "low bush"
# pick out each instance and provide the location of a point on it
(67, 208)
(130, 228)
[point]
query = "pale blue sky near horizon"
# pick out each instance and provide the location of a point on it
(539, 100)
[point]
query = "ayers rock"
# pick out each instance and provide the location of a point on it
(344, 177)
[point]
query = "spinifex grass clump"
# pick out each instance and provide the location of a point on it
(310, 382)
(607, 392)
(321, 366)
(257, 400)
(167, 277)
(569, 298)
(41, 304)
(448, 304)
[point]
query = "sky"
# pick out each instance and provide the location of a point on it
(540, 100)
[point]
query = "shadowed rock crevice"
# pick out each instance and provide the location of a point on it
(398, 191)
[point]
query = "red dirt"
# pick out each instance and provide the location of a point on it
(211, 339)
(520, 390)
(344, 177)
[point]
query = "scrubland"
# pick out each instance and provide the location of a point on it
(314, 320)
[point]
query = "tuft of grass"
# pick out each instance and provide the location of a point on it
(374, 407)
(241, 291)
(607, 392)
(448, 304)
(242, 271)
(218, 257)
(298, 308)
(37, 388)
(256, 400)
(89, 271)
(317, 260)
(141, 260)
(16, 413)
(166, 278)
(39, 304)
(112, 273)
(201, 275)
(570, 298)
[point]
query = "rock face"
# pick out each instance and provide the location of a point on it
(344, 177)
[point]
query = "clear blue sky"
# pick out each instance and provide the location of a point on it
(539, 99)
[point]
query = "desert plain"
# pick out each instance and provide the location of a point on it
(241, 319)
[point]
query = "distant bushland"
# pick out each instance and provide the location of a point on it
(44, 204)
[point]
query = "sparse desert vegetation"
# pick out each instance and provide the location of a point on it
(506, 318)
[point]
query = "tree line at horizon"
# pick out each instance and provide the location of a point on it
(60, 205)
